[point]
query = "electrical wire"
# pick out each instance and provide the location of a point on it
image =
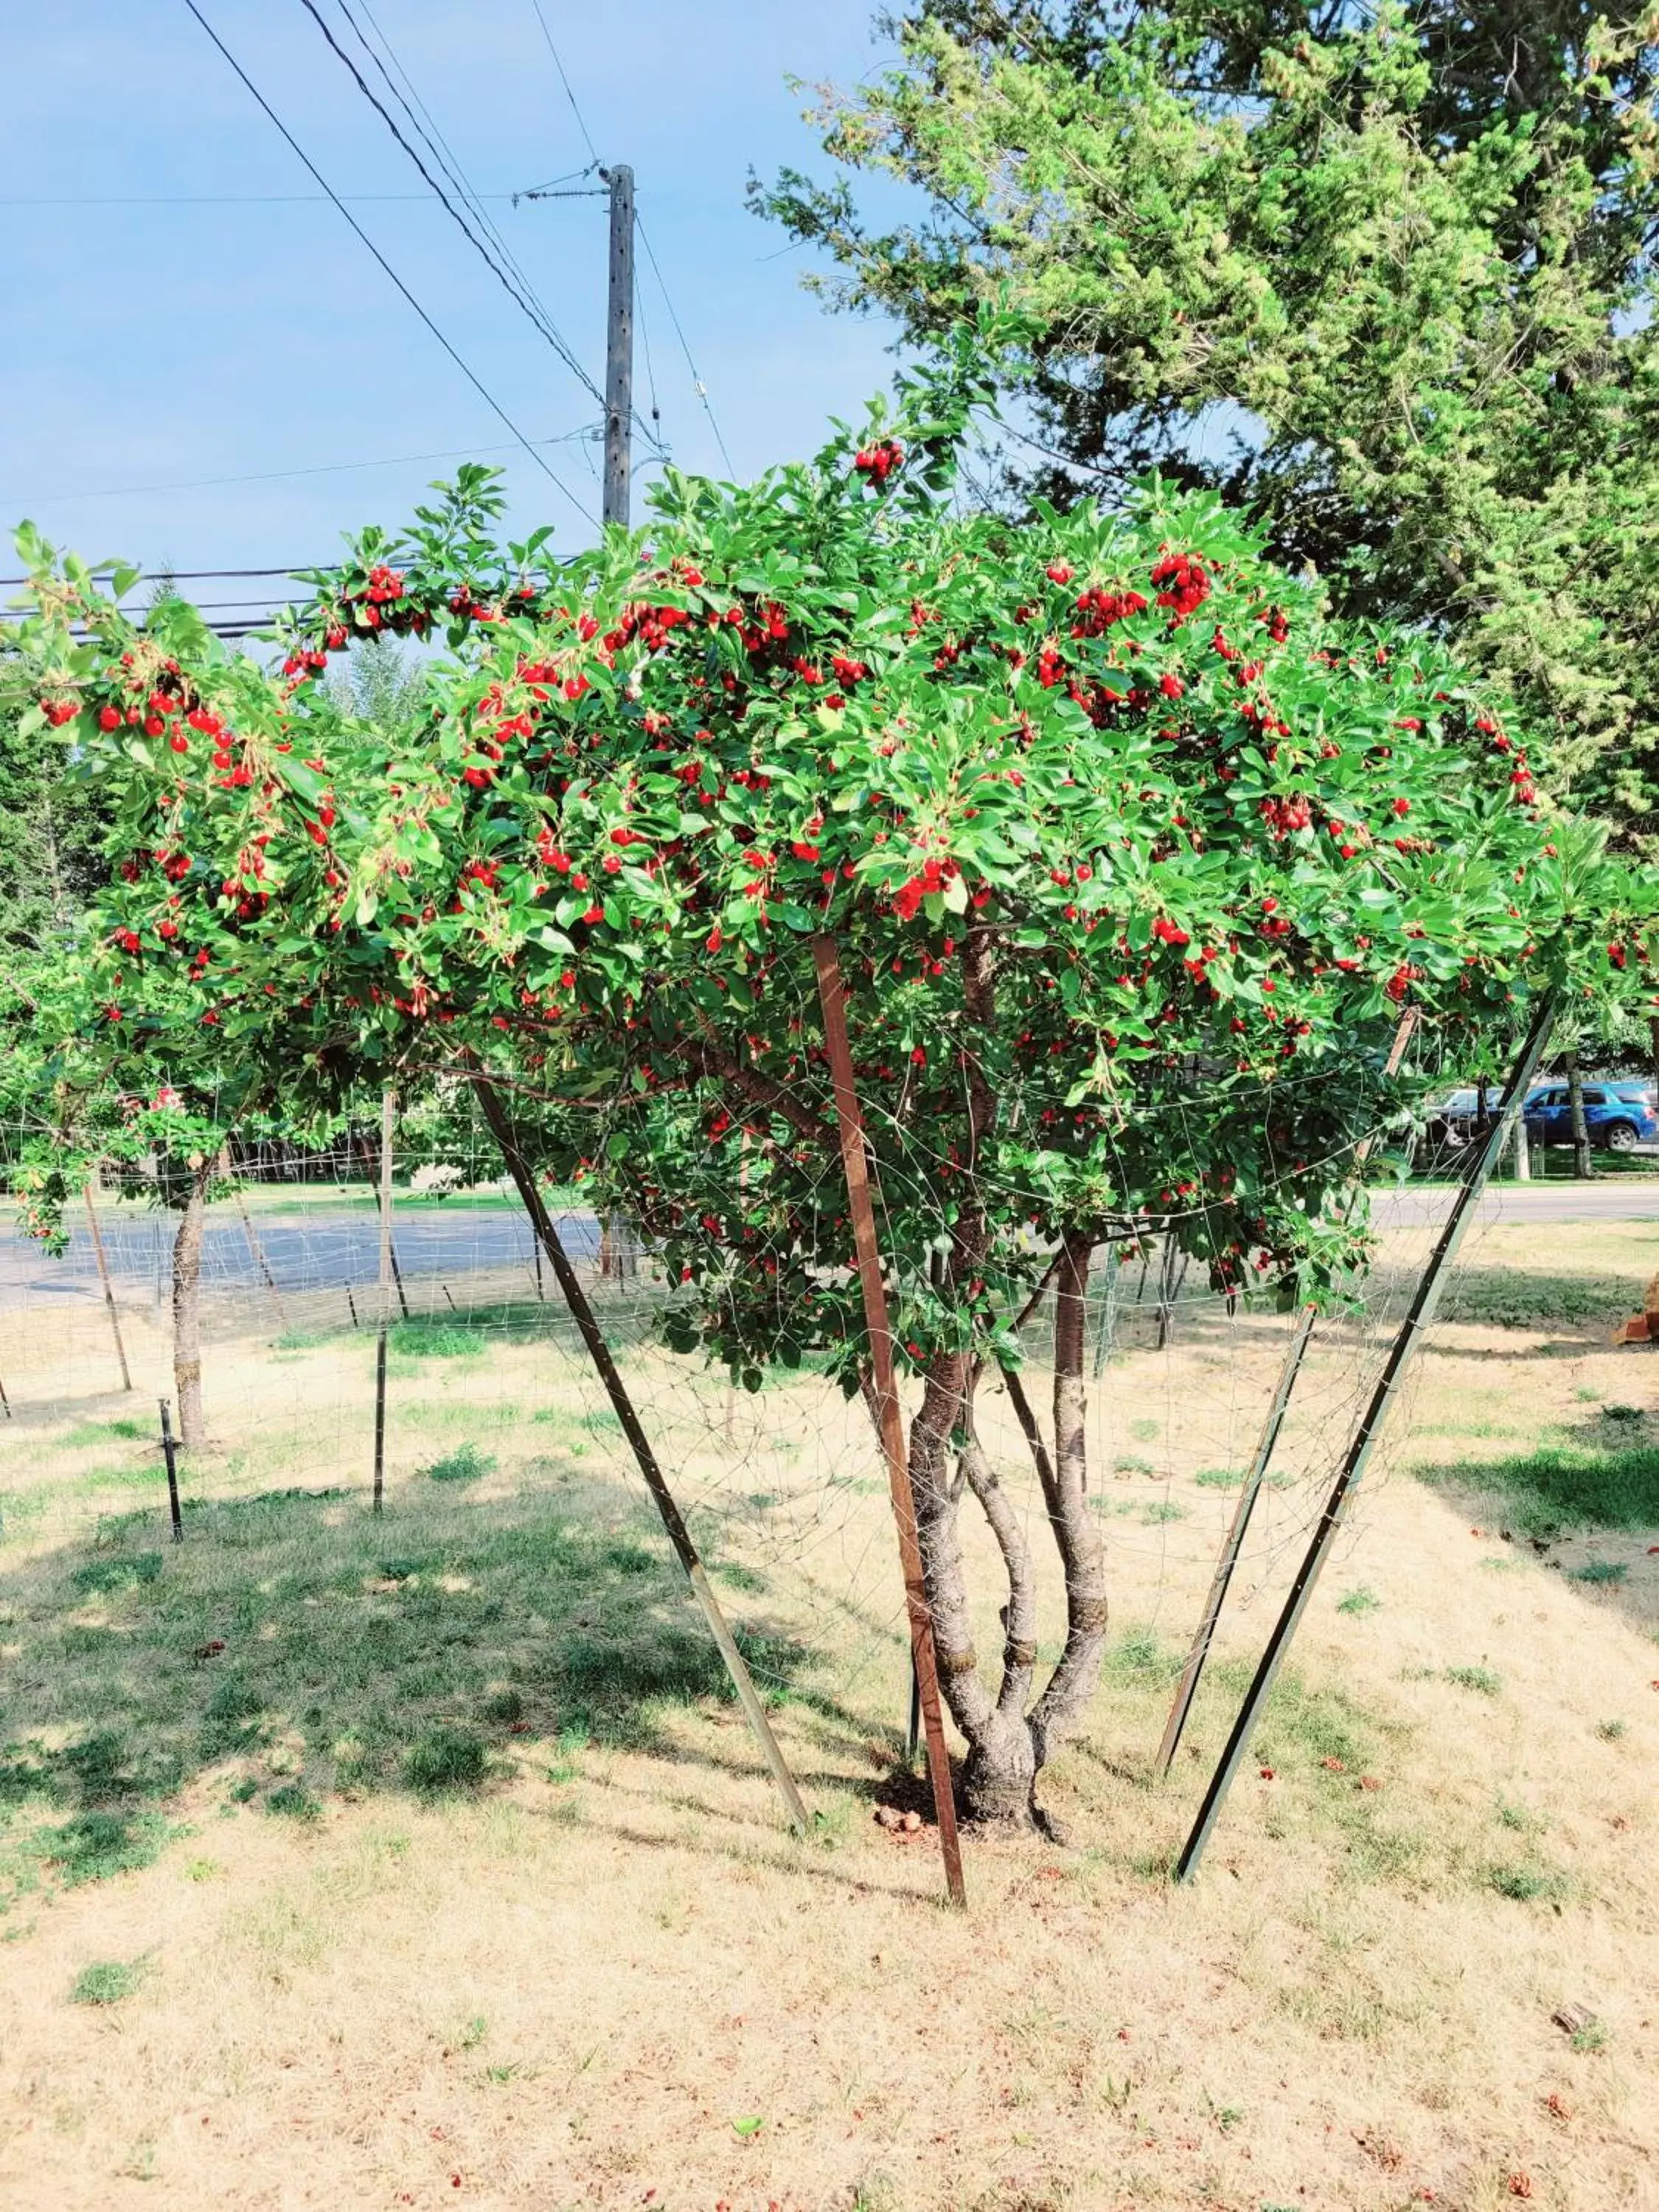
(697, 384)
(520, 298)
(249, 199)
(426, 127)
(581, 124)
(271, 475)
(654, 434)
(470, 373)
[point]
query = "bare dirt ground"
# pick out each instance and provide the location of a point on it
(598, 1971)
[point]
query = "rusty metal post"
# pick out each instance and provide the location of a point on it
(103, 1276)
(832, 998)
(1290, 1369)
(173, 1472)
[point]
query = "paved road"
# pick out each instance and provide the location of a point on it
(321, 1249)
(1619, 1199)
(324, 1250)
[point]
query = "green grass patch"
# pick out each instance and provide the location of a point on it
(1600, 1570)
(446, 1759)
(425, 1339)
(95, 1845)
(1526, 1883)
(129, 1572)
(466, 1463)
(1511, 1297)
(294, 1802)
(1480, 1680)
(349, 1642)
(1361, 1600)
(1581, 1483)
(107, 1983)
(86, 1433)
(1221, 1478)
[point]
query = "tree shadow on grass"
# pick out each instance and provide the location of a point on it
(301, 1647)
(1601, 1480)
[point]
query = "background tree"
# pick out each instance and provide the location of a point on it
(1383, 276)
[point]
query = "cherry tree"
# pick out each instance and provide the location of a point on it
(1133, 859)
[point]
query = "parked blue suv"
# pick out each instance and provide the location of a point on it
(1619, 1115)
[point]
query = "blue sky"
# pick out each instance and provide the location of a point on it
(153, 345)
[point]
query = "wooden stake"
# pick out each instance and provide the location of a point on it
(855, 1168)
(388, 1110)
(661, 1497)
(103, 1276)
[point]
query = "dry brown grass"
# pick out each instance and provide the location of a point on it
(567, 1988)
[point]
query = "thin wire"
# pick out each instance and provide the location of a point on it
(471, 374)
(650, 375)
(697, 384)
(581, 122)
(249, 199)
(271, 475)
(544, 327)
(426, 125)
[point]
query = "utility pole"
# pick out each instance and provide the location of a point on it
(619, 346)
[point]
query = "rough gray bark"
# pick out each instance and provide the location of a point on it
(187, 1310)
(1076, 1532)
(1582, 1164)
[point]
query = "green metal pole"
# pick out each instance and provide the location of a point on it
(1363, 1442)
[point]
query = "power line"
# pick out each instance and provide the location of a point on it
(581, 124)
(470, 375)
(271, 475)
(697, 384)
(427, 128)
(262, 199)
(543, 328)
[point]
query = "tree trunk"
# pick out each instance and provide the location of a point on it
(187, 1310)
(1076, 1532)
(1582, 1165)
(1653, 1044)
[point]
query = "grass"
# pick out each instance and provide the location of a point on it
(446, 1759)
(1601, 1571)
(1507, 1297)
(347, 1666)
(1361, 1600)
(107, 1983)
(489, 1728)
(1480, 1680)
(1526, 1883)
(1580, 1483)
(466, 1463)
